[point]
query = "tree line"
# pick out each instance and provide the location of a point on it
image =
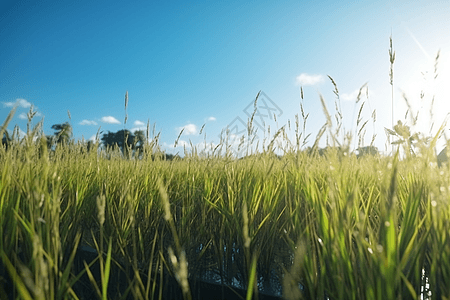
(125, 140)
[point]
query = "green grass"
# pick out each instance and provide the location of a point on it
(359, 228)
(327, 226)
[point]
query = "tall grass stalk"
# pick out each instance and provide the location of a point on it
(309, 224)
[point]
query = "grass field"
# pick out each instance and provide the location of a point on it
(343, 227)
(330, 226)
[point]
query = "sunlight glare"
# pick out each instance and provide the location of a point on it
(429, 81)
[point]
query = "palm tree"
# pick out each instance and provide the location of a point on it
(63, 132)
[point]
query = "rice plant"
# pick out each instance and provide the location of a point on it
(81, 222)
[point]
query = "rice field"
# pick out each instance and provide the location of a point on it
(302, 225)
(332, 226)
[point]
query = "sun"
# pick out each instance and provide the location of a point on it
(427, 91)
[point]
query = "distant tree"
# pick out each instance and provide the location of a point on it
(48, 141)
(338, 150)
(158, 155)
(123, 139)
(87, 146)
(109, 139)
(442, 157)
(90, 146)
(6, 140)
(63, 132)
(51, 141)
(308, 150)
(368, 150)
(139, 140)
(261, 155)
(168, 156)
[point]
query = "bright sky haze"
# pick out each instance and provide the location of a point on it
(186, 65)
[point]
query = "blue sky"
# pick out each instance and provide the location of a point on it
(186, 65)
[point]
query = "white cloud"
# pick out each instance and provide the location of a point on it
(208, 147)
(306, 79)
(144, 129)
(24, 116)
(22, 133)
(189, 129)
(138, 123)
(87, 122)
(211, 119)
(94, 138)
(110, 120)
(180, 144)
(353, 95)
(183, 144)
(349, 97)
(21, 102)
